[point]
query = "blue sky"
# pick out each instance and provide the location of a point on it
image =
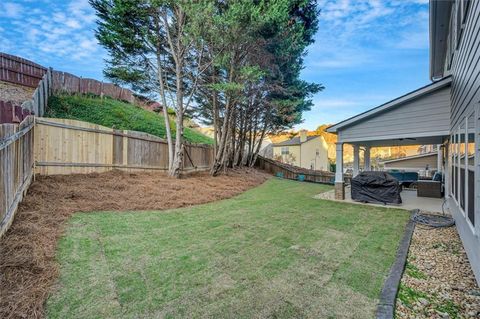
(366, 51)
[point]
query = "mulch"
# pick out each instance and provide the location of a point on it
(14, 93)
(28, 268)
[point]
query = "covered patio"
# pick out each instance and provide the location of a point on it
(421, 117)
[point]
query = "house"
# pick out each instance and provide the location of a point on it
(414, 163)
(445, 112)
(304, 151)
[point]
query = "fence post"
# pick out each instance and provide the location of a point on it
(50, 81)
(125, 148)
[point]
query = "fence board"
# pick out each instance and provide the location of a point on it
(20, 71)
(63, 82)
(69, 146)
(295, 173)
(10, 113)
(16, 167)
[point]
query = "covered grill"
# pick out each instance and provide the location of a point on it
(376, 187)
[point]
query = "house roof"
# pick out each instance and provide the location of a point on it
(410, 157)
(392, 104)
(295, 141)
(439, 28)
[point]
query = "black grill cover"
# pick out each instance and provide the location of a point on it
(376, 187)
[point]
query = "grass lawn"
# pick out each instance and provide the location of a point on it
(273, 251)
(116, 114)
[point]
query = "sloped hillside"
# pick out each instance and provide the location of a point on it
(115, 114)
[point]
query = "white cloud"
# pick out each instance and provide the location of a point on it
(356, 33)
(10, 10)
(72, 23)
(56, 33)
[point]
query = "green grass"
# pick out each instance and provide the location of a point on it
(271, 252)
(409, 295)
(414, 272)
(115, 114)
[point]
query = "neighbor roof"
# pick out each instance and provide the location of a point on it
(393, 103)
(295, 141)
(410, 157)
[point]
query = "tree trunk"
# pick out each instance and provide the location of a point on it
(164, 99)
(177, 166)
(178, 51)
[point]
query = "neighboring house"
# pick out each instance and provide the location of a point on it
(446, 112)
(266, 149)
(304, 151)
(413, 163)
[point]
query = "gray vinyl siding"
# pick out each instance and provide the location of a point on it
(465, 98)
(424, 115)
(466, 67)
(414, 163)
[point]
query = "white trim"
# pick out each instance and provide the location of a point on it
(339, 163)
(400, 100)
(396, 137)
(356, 159)
(465, 169)
(476, 119)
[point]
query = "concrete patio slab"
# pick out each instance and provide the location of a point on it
(409, 199)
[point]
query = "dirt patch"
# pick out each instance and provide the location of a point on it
(438, 281)
(27, 251)
(16, 94)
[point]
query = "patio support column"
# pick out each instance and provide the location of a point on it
(439, 158)
(339, 184)
(356, 159)
(366, 158)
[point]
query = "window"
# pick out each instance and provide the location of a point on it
(470, 162)
(465, 6)
(458, 22)
(454, 166)
(463, 150)
(460, 13)
(285, 150)
(461, 165)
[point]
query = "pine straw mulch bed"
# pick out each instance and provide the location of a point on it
(28, 267)
(438, 281)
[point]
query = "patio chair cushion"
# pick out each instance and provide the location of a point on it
(429, 188)
(437, 177)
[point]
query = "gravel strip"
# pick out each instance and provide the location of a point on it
(438, 281)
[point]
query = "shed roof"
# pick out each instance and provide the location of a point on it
(410, 157)
(392, 104)
(295, 141)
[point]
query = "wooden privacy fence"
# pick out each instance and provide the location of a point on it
(296, 173)
(10, 113)
(68, 147)
(64, 82)
(16, 167)
(23, 72)
(39, 102)
(20, 71)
